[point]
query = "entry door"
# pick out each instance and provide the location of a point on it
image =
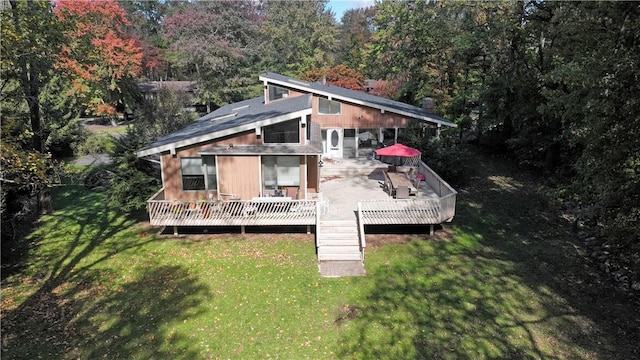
(334, 143)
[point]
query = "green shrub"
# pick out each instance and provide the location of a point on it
(449, 159)
(132, 180)
(93, 144)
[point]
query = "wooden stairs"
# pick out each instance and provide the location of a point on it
(338, 240)
(339, 251)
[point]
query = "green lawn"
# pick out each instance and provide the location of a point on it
(504, 281)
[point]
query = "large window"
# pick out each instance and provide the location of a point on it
(281, 171)
(328, 107)
(193, 173)
(276, 92)
(284, 132)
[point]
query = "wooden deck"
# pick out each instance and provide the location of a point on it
(231, 213)
(434, 203)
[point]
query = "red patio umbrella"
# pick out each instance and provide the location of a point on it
(399, 154)
(398, 150)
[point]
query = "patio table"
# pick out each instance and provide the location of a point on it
(397, 179)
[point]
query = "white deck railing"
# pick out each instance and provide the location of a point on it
(361, 233)
(435, 181)
(405, 211)
(412, 211)
(230, 213)
(428, 211)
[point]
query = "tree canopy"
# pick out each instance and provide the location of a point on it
(100, 58)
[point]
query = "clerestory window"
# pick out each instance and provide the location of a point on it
(328, 107)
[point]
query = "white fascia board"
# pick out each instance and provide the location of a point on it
(332, 96)
(223, 133)
(240, 153)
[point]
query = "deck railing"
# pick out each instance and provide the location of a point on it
(435, 181)
(412, 211)
(405, 211)
(361, 233)
(230, 213)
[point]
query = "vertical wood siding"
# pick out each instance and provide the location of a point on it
(239, 175)
(356, 116)
(313, 175)
(171, 164)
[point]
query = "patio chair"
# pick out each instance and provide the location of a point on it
(402, 192)
(387, 184)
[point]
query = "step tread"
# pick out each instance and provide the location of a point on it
(338, 242)
(338, 222)
(328, 257)
(338, 236)
(339, 250)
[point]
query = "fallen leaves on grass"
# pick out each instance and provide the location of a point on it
(347, 312)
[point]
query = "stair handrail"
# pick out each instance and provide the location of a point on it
(318, 205)
(361, 236)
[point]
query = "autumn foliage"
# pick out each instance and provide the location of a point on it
(339, 75)
(98, 55)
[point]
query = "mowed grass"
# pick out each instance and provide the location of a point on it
(503, 282)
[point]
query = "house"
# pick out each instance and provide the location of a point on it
(275, 142)
(258, 162)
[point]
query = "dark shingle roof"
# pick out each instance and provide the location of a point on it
(357, 96)
(236, 115)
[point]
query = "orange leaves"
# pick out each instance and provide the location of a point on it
(103, 13)
(339, 75)
(105, 109)
(98, 54)
(122, 54)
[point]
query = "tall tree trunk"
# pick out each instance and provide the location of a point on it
(30, 81)
(30, 84)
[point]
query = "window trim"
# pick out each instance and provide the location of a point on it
(204, 172)
(330, 101)
(265, 128)
(271, 90)
(275, 171)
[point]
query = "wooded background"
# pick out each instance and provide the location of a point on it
(552, 84)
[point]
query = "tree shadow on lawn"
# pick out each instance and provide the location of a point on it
(509, 284)
(74, 310)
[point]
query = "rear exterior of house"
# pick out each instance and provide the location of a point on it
(273, 145)
(258, 162)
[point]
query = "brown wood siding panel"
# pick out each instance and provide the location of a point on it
(171, 175)
(171, 164)
(302, 132)
(244, 138)
(312, 174)
(357, 116)
(239, 175)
